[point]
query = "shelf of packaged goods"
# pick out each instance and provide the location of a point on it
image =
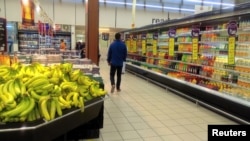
(177, 43)
(213, 42)
(227, 105)
(213, 31)
(49, 130)
(188, 33)
(193, 74)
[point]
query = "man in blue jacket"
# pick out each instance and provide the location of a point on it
(117, 54)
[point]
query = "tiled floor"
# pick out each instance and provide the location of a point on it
(145, 112)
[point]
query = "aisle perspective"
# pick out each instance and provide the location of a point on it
(203, 57)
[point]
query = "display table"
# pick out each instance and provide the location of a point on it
(58, 128)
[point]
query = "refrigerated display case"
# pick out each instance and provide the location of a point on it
(204, 57)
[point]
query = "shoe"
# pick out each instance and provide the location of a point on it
(118, 90)
(112, 88)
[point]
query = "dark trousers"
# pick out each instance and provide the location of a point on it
(118, 71)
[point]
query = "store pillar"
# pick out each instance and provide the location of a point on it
(92, 30)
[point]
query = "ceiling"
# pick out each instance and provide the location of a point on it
(184, 6)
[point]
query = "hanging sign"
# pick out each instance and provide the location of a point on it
(27, 12)
(143, 43)
(231, 50)
(155, 39)
(3, 34)
(134, 43)
(232, 30)
(195, 31)
(127, 42)
(105, 36)
(195, 48)
(171, 41)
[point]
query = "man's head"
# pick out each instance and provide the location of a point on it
(117, 36)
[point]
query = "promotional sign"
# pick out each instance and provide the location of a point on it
(127, 42)
(27, 12)
(155, 39)
(171, 46)
(134, 43)
(195, 31)
(143, 42)
(231, 50)
(3, 34)
(232, 30)
(195, 48)
(172, 32)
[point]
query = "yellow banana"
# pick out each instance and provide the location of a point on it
(7, 98)
(63, 101)
(58, 107)
(17, 86)
(52, 111)
(38, 82)
(34, 78)
(48, 87)
(10, 106)
(81, 103)
(36, 96)
(44, 109)
(6, 86)
(11, 89)
(37, 113)
(70, 96)
(75, 99)
(23, 89)
(31, 107)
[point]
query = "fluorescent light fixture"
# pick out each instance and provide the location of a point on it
(210, 2)
(147, 5)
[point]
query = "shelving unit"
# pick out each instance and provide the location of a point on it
(210, 60)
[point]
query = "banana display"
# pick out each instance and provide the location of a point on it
(29, 93)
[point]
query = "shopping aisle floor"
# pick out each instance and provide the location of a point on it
(143, 111)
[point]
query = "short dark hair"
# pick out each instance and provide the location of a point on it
(117, 36)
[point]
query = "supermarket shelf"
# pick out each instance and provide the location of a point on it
(229, 106)
(50, 130)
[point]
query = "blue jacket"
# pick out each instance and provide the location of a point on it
(117, 53)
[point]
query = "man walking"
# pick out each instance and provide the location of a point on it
(117, 54)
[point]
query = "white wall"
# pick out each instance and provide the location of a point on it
(71, 14)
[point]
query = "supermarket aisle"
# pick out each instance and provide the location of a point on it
(145, 112)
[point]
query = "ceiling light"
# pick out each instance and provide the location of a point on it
(210, 2)
(148, 6)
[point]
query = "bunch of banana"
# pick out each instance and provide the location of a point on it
(20, 111)
(50, 108)
(66, 67)
(37, 82)
(95, 90)
(75, 99)
(75, 74)
(4, 71)
(56, 91)
(69, 86)
(85, 80)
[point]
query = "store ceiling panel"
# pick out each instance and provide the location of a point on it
(166, 5)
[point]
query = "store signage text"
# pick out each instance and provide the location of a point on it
(155, 20)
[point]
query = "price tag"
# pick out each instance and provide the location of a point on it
(171, 47)
(134, 47)
(154, 47)
(143, 47)
(231, 50)
(195, 48)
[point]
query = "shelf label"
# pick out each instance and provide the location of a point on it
(143, 46)
(195, 48)
(231, 50)
(154, 47)
(171, 47)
